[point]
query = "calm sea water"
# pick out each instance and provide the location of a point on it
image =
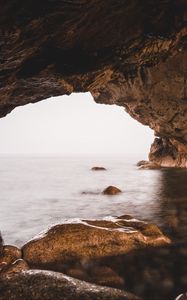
(38, 191)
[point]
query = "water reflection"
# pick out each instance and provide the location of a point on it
(172, 196)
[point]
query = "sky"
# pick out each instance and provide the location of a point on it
(72, 125)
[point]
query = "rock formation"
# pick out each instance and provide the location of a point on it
(78, 241)
(126, 52)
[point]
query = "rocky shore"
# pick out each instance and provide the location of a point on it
(113, 258)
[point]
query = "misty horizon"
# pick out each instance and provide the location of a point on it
(72, 125)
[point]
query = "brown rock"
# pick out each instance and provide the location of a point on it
(10, 254)
(104, 275)
(111, 190)
(142, 163)
(91, 239)
(16, 267)
(150, 166)
(45, 285)
(98, 169)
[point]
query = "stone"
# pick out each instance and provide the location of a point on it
(181, 297)
(10, 255)
(65, 245)
(127, 53)
(150, 166)
(106, 276)
(111, 190)
(45, 285)
(142, 163)
(18, 266)
(98, 169)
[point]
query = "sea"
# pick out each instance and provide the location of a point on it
(38, 191)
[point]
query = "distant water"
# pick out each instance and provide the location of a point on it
(38, 191)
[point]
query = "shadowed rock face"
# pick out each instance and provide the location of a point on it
(129, 53)
(45, 285)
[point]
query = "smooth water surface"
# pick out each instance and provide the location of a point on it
(39, 191)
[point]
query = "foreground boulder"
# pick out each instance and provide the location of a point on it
(111, 190)
(45, 285)
(68, 244)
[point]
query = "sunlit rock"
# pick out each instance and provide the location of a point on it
(78, 241)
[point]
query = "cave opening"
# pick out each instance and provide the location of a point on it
(45, 163)
(73, 125)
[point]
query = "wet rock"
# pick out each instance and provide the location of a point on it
(144, 270)
(111, 190)
(45, 285)
(142, 163)
(150, 166)
(106, 276)
(182, 297)
(10, 254)
(64, 245)
(98, 169)
(16, 267)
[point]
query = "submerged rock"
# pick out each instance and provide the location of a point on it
(45, 285)
(111, 190)
(77, 242)
(98, 169)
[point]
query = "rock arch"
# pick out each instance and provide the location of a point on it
(129, 53)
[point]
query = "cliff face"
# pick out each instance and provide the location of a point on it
(131, 53)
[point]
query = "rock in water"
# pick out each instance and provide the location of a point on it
(142, 163)
(111, 190)
(80, 241)
(98, 169)
(45, 285)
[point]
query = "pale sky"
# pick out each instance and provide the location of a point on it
(72, 125)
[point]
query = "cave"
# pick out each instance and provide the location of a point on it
(129, 53)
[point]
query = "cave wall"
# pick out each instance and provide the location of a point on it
(132, 53)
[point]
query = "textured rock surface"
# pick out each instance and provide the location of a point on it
(16, 267)
(80, 241)
(126, 52)
(44, 285)
(10, 254)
